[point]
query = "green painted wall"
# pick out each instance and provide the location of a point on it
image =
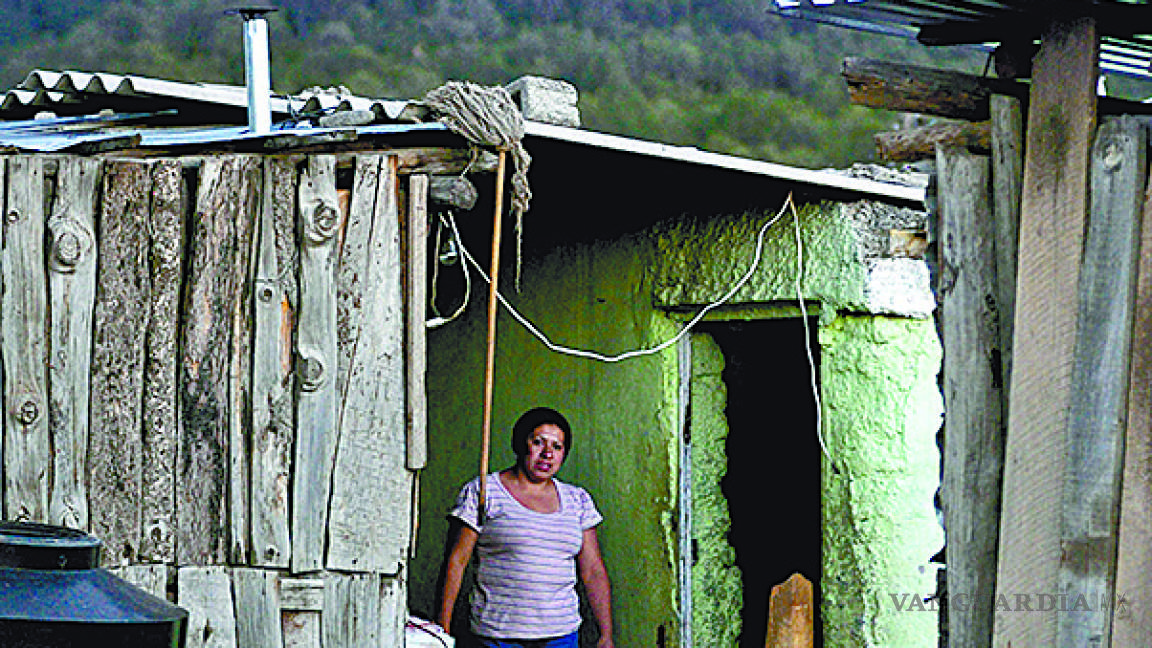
(881, 409)
(623, 415)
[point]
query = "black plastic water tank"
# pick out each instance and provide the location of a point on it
(53, 595)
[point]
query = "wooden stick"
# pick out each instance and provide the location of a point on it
(490, 363)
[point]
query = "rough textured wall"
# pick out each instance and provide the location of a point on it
(882, 409)
(623, 415)
(716, 586)
(878, 379)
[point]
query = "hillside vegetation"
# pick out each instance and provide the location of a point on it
(724, 76)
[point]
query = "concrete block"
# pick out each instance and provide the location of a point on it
(546, 100)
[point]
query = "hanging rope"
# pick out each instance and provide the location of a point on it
(486, 116)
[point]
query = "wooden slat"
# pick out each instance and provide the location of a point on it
(974, 427)
(217, 264)
(258, 622)
(119, 325)
(166, 260)
(316, 407)
(416, 300)
(1061, 121)
(351, 610)
(240, 359)
(369, 516)
(1132, 615)
(206, 592)
(302, 594)
(393, 610)
(150, 578)
(72, 292)
(790, 614)
(1093, 443)
(272, 401)
(1007, 176)
(23, 314)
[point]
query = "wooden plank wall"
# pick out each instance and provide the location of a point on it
(206, 365)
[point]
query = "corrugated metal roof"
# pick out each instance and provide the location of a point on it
(73, 92)
(1125, 25)
(93, 127)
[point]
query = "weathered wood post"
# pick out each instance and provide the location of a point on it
(1061, 121)
(973, 437)
(1094, 438)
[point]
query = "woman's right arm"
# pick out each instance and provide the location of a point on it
(454, 563)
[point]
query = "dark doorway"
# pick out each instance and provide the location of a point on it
(773, 480)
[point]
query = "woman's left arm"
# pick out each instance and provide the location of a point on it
(595, 577)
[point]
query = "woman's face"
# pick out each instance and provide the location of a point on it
(545, 453)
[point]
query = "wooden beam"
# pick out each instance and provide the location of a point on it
(1132, 614)
(944, 93)
(918, 89)
(1062, 119)
(973, 428)
(1093, 442)
(911, 144)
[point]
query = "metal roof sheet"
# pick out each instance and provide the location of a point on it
(1125, 25)
(70, 92)
(87, 132)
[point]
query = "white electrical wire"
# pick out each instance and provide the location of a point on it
(757, 256)
(637, 352)
(808, 338)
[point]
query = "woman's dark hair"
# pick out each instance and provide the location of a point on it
(533, 419)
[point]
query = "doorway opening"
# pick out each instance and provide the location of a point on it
(773, 481)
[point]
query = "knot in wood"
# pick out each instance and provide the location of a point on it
(12, 216)
(28, 413)
(325, 219)
(266, 293)
(67, 249)
(311, 372)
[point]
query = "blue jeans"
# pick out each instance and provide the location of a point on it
(567, 641)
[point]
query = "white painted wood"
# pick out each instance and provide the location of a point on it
(158, 452)
(72, 292)
(258, 622)
(316, 407)
(301, 629)
(206, 592)
(23, 314)
(369, 517)
(272, 395)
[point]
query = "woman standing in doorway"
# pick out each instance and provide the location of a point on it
(534, 535)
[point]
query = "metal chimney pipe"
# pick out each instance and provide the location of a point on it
(257, 73)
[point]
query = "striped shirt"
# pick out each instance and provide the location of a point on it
(526, 567)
